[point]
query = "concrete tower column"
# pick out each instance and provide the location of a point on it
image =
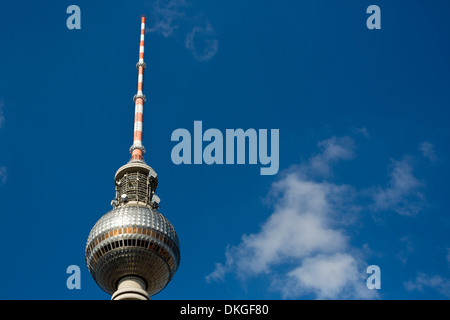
(131, 288)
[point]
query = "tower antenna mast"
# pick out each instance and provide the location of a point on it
(137, 150)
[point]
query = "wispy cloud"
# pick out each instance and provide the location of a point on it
(202, 43)
(363, 131)
(3, 174)
(328, 276)
(166, 16)
(408, 244)
(428, 151)
(3, 170)
(332, 150)
(2, 116)
(403, 194)
(170, 16)
(435, 282)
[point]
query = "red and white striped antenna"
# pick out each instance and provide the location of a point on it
(137, 150)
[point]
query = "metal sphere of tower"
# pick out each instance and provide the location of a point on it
(133, 251)
(133, 240)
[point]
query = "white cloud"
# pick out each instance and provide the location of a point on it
(423, 281)
(218, 274)
(363, 131)
(297, 228)
(304, 235)
(166, 16)
(202, 43)
(428, 151)
(408, 244)
(330, 276)
(3, 174)
(2, 117)
(332, 150)
(435, 282)
(304, 246)
(403, 193)
(3, 171)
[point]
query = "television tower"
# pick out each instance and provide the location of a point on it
(133, 251)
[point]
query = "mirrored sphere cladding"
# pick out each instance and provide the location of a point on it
(133, 240)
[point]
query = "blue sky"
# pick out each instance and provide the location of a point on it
(363, 122)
